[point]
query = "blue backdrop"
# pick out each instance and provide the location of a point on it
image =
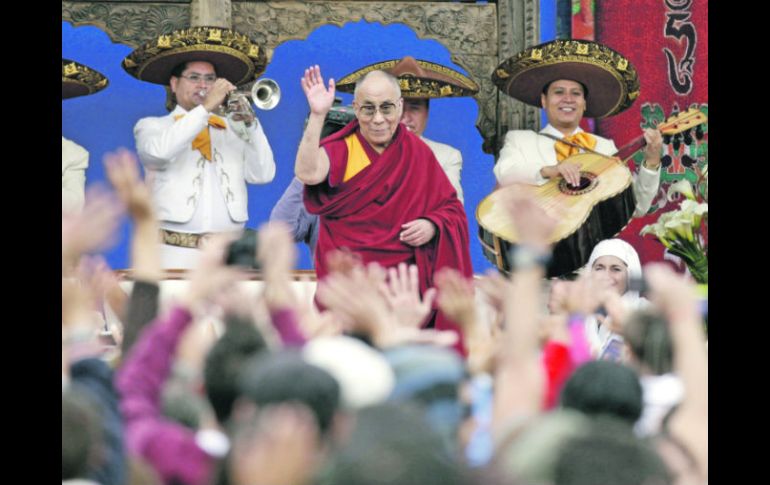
(104, 121)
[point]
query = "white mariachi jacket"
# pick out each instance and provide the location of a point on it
(164, 146)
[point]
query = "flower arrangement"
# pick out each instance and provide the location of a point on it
(684, 232)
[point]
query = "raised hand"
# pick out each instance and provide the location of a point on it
(211, 275)
(653, 149)
(402, 291)
(122, 169)
(357, 300)
(93, 229)
(583, 296)
(342, 261)
(675, 296)
(456, 297)
(493, 286)
(319, 98)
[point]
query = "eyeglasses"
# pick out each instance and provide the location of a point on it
(368, 111)
(196, 78)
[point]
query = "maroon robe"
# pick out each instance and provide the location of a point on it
(403, 183)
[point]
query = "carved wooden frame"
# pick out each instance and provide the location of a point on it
(479, 36)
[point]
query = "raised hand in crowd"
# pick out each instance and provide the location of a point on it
(357, 299)
(343, 261)
(91, 230)
(617, 311)
(456, 298)
(277, 257)
(582, 296)
(677, 299)
(315, 323)
(122, 169)
(211, 276)
(520, 379)
(402, 292)
(493, 287)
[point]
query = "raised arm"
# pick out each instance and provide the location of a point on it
(123, 172)
(312, 163)
(678, 301)
(519, 379)
(169, 447)
(277, 257)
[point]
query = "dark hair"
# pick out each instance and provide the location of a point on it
(425, 101)
(240, 342)
(430, 377)
(180, 68)
(646, 333)
(603, 387)
(283, 376)
(80, 431)
(609, 453)
(392, 445)
(182, 404)
(548, 84)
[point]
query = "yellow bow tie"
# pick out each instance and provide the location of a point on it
(202, 142)
(582, 138)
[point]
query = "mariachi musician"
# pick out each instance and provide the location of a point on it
(569, 167)
(571, 79)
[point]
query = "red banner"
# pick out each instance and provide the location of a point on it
(667, 42)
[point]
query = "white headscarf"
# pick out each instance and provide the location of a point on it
(623, 251)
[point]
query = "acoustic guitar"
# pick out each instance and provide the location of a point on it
(599, 208)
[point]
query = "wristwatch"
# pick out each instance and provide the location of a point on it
(523, 257)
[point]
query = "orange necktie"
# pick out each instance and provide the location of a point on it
(202, 142)
(582, 138)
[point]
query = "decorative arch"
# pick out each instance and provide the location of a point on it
(478, 36)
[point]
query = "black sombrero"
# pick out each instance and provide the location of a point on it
(80, 80)
(417, 79)
(611, 80)
(234, 56)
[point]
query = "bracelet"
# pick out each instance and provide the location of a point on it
(524, 257)
(644, 164)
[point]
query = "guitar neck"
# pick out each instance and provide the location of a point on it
(673, 125)
(626, 151)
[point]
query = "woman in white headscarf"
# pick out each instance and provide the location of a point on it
(614, 263)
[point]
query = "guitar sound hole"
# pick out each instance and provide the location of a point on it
(587, 182)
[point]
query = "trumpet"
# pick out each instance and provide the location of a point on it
(264, 94)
